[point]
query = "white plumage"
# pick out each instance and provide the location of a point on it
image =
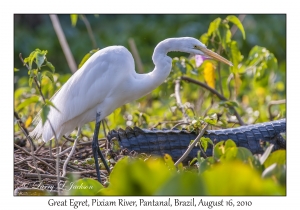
(107, 81)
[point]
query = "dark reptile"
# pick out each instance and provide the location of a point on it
(175, 142)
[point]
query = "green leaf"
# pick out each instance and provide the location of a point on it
(74, 19)
(185, 183)
(204, 142)
(85, 186)
(213, 26)
(204, 38)
(219, 150)
(26, 102)
(15, 69)
(30, 59)
(206, 164)
(49, 75)
(278, 157)
(266, 154)
(225, 35)
(169, 162)
(238, 178)
(30, 81)
(132, 176)
(50, 103)
(40, 58)
(276, 172)
(52, 68)
(86, 57)
(229, 144)
(237, 22)
(234, 153)
(235, 56)
(44, 113)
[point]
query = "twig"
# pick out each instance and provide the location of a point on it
(230, 77)
(32, 146)
(41, 170)
(234, 28)
(90, 142)
(241, 122)
(271, 116)
(71, 153)
(63, 152)
(178, 100)
(90, 31)
(24, 129)
(181, 123)
(22, 161)
(68, 139)
(219, 70)
(191, 146)
(63, 42)
(166, 122)
(28, 153)
(85, 172)
(136, 56)
(45, 176)
(40, 147)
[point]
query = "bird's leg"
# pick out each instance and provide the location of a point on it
(96, 150)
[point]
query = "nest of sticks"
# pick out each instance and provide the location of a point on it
(35, 170)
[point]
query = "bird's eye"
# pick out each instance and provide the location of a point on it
(195, 46)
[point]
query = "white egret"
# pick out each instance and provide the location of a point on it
(107, 81)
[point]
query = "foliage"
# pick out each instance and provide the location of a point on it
(231, 171)
(256, 74)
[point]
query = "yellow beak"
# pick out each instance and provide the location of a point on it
(214, 55)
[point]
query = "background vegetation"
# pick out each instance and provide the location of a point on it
(256, 48)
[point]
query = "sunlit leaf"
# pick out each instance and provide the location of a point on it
(169, 162)
(86, 57)
(40, 58)
(138, 177)
(278, 156)
(28, 122)
(29, 60)
(49, 75)
(234, 153)
(204, 38)
(237, 178)
(238, 83)
(26, 102)
(213, 26)
(204, 142)
(235, 56)
(85, 186)
(276, 172)
(219, 149)
(238, 23)
(74, 19)
(209, 74)
(206, 164)
(50, 103)
(52, 68)
(229, 144)
(225, 35)
(44, 113)
(185, 183)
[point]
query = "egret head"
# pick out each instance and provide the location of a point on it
(194, 46)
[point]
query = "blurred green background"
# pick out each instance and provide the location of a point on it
(36, 31)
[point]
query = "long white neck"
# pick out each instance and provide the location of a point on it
(163, 64)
